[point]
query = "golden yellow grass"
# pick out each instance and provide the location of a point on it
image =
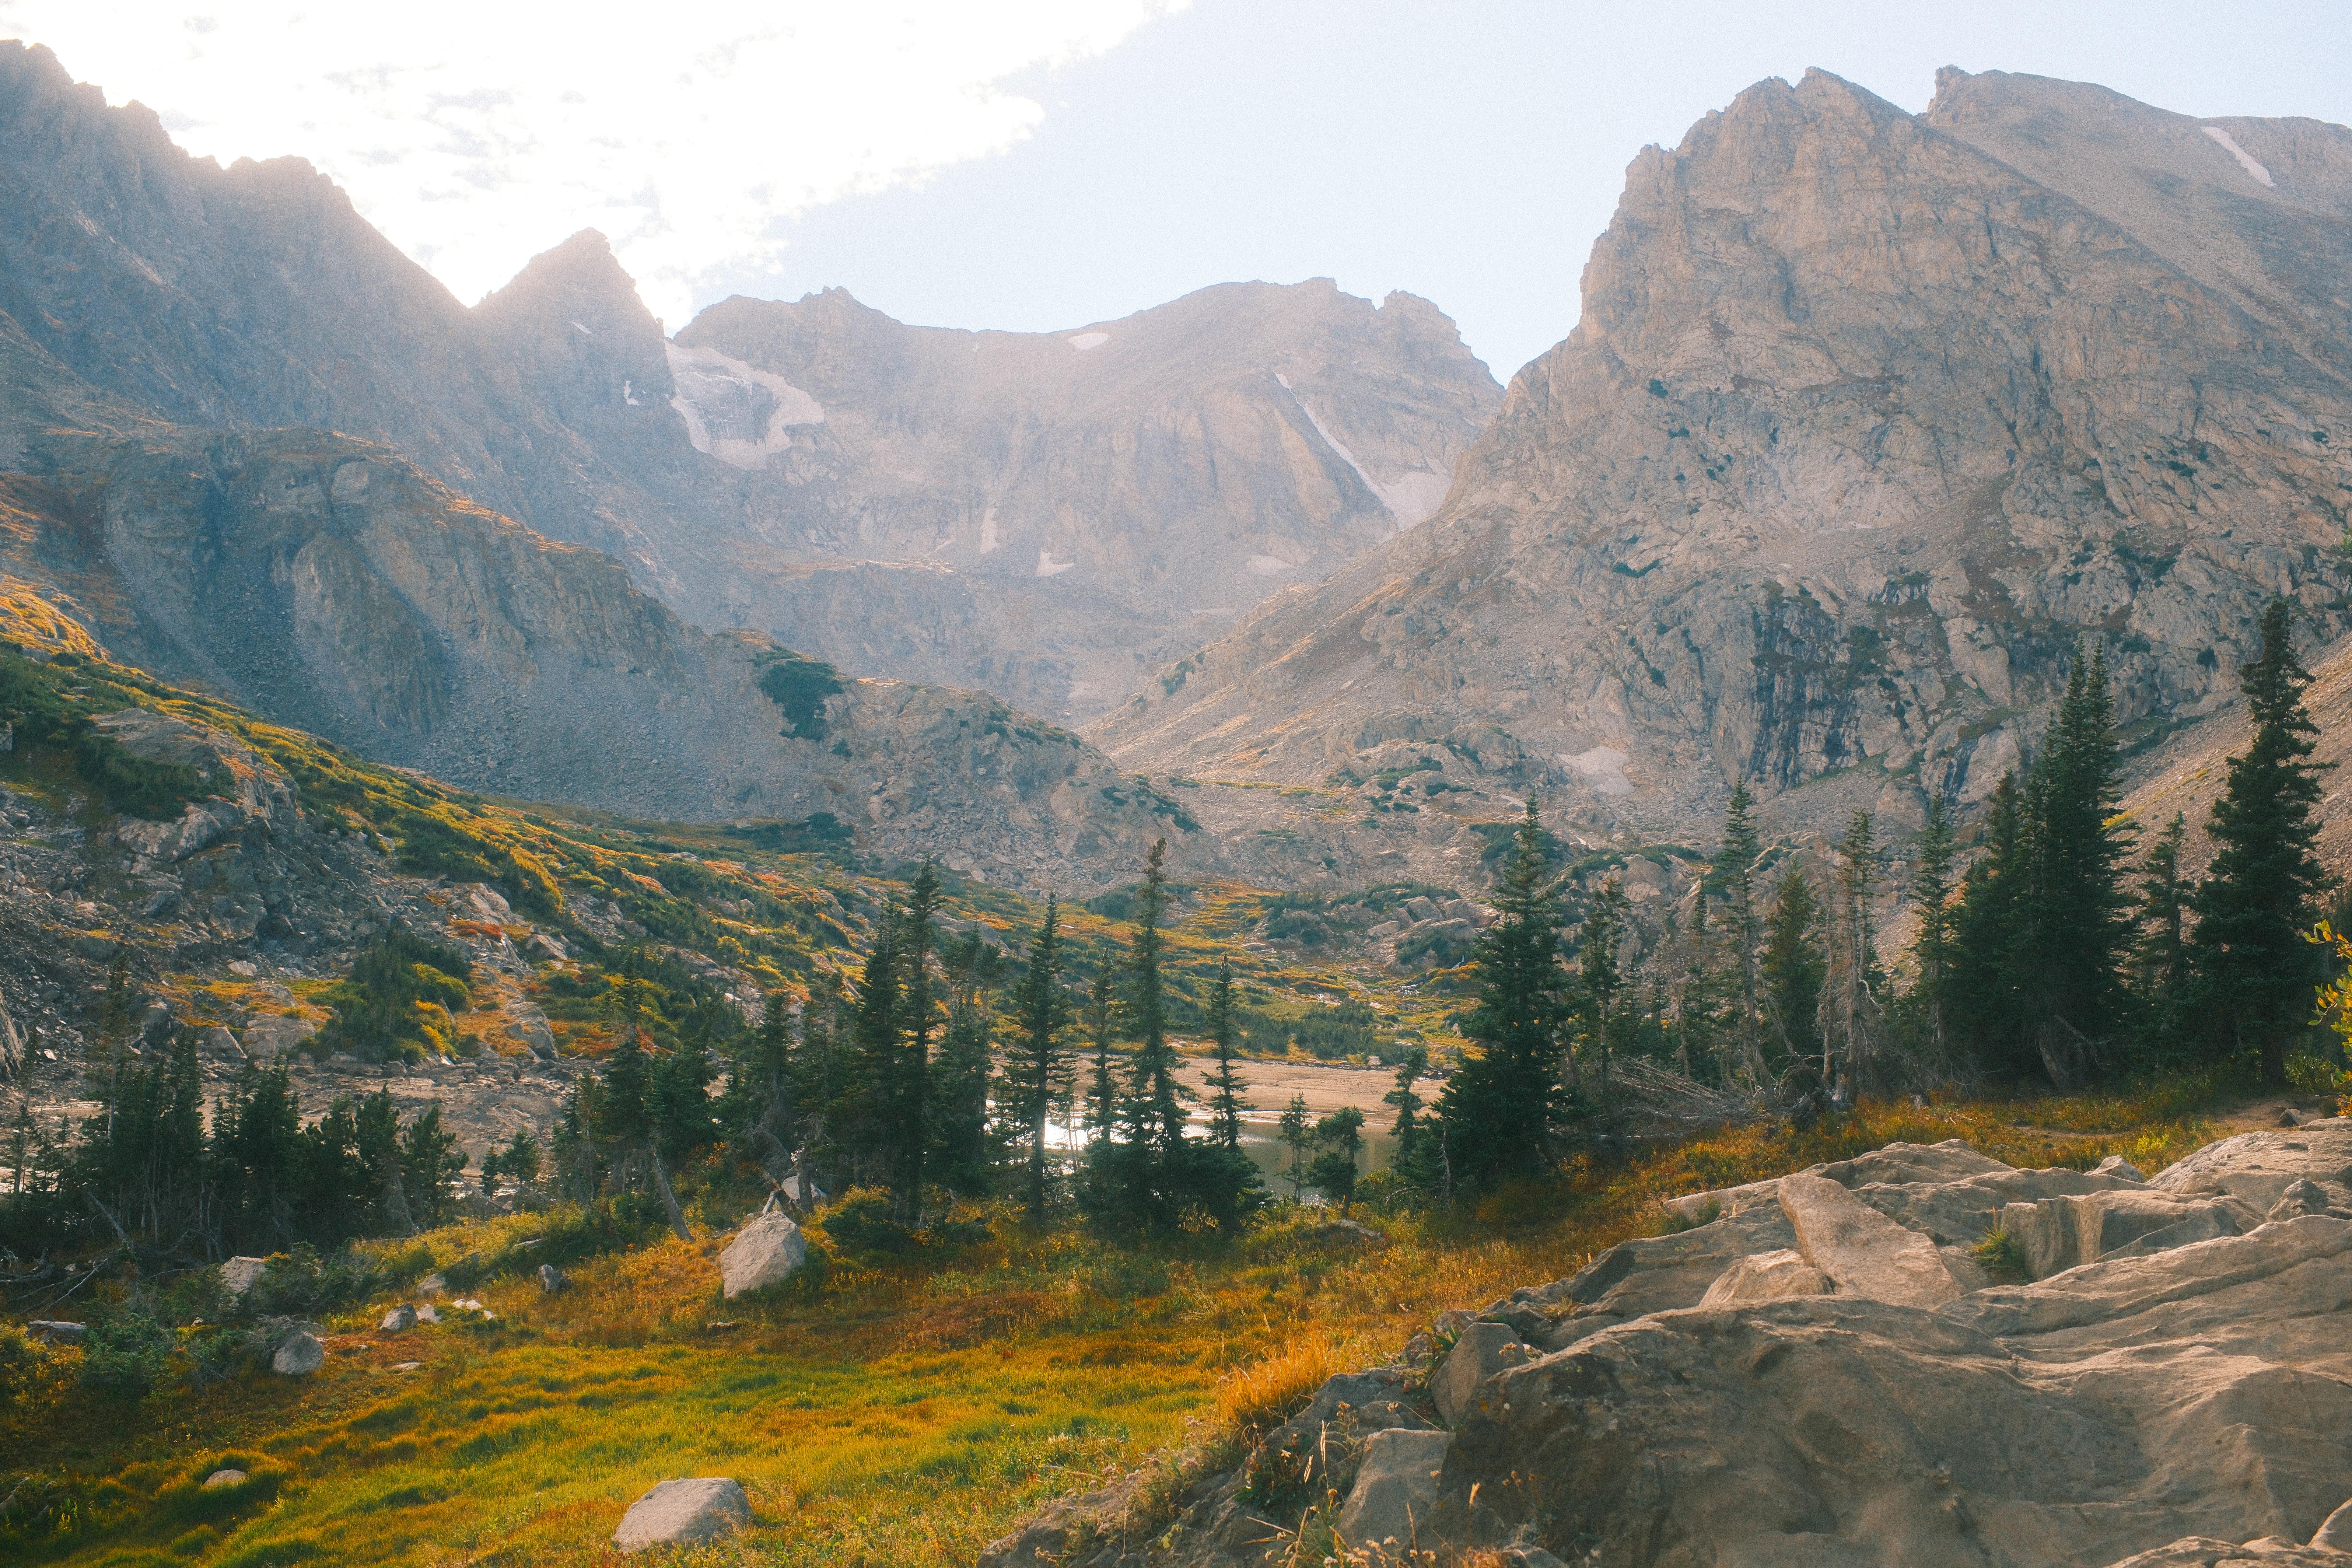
(907, 1414)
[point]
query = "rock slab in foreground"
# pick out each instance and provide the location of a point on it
(684, 1513)
(1862, 1251)
(763, 1253)
(2170, 1398)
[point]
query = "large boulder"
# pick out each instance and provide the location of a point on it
(684, 1513)
(763, 1253)
(1862, 1251)
(1395, 1489)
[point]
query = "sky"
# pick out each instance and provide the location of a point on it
(1045, 164)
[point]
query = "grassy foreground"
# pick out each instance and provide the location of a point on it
(908, 1413)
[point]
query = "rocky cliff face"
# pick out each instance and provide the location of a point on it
(331, 586)
(1187, 459)
(1867, 419)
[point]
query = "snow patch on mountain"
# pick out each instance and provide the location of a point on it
(738, 415)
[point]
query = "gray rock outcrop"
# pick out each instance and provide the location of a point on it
(298, 1355)
(684, 1513)
(2154, 1403)
(1396, 1487)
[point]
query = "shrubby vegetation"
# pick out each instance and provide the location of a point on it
(398, 1001)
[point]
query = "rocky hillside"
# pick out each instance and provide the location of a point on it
(1821, 1370)
(1184, 461)
(331, 586)
(1868, 418)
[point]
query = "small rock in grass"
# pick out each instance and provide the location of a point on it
(684, 1512)
(432, 1285)
(406, 1365)
(426, 1313)
(300, 1355)
(400, 1319)
(52, 1332)
(238, 1274)
(552, 1281)
(224, 1478)
(763, 1253)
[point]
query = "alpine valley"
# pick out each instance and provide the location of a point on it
(407, 708)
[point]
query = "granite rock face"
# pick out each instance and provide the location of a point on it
(2164, 1398)
(1868, 417)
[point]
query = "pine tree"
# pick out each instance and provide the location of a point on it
(1735, 873)
(871, 1119)
(1153, 1070)
(1852, 977)
(1503, 1106)
(1226, 1101)
(1599, 978)
(1148, 1174)
(1339, 1140)
(1931, 895)
(2071, 926)
(2160, 956)
(1102, 1086)
(1041, 1065)
(1793, 969)
(2255, 972)
(1978, 995)
(1296, 1128)
(1411, 1068)
(963, 1146)
(919, 1013)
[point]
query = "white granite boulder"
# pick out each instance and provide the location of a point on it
(684, 1513)
(763, 1253)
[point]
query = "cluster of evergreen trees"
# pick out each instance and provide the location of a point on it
(915, 1082)
(2064, 946)
(150, 1171)
(2062, 951)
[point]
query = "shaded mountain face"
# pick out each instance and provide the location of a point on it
(331, 586)
(1186, 460)
(1867, 419)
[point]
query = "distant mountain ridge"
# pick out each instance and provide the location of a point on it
(1186, 460)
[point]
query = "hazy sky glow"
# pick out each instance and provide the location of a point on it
(1047, 163)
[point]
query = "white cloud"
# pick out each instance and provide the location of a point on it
(477, 134)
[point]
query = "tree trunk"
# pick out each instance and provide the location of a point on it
(669, 1199)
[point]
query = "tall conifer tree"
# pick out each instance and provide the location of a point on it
(1503, 1108)
(1041, 1064)
(1735, 873)
(2255, 972)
